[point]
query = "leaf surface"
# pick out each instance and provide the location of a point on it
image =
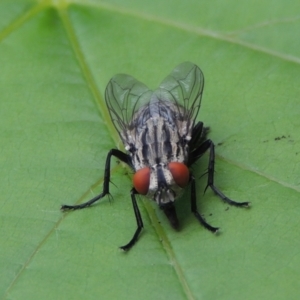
(56, 59)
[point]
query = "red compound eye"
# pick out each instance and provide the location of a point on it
(180, 173)
(141, 180)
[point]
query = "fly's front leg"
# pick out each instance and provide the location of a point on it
(113, 152)
(195, 210)
(139, 222)
(208, 144)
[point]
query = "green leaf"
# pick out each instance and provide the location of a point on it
(56, 58)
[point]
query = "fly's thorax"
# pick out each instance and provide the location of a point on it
(159, 140)
(162, 182)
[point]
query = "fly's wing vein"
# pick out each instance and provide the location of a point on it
(124, 95)
(178, 97)
(184, 87)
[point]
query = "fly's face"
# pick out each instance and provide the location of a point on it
(162, 182)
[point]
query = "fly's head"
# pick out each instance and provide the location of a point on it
(162, 182)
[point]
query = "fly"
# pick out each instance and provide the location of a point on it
(162, 140)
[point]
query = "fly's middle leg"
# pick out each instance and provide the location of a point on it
(209, 145)
(113, 152)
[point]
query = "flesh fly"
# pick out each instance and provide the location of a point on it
(162, 140)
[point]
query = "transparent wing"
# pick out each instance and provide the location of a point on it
(124, 95)
(184, 87)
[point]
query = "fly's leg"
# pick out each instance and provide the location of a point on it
(139, 222)
(208, 144)
(195, 210)
(198, 137)
(113, 152)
